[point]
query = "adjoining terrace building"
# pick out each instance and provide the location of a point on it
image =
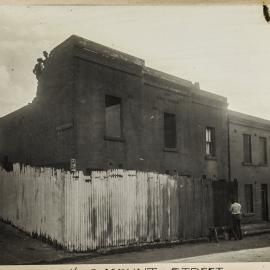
(249, 163)
(107, 109)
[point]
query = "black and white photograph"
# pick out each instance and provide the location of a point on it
(135, 134)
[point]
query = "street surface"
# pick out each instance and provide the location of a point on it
(225, 251)
(18, 248)
(246, 255)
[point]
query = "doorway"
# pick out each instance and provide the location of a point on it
(223, 194)
(264, 197)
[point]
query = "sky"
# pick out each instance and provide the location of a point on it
(224, 48)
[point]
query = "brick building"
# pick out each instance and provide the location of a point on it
(106, 109)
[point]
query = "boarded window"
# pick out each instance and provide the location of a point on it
(263, 150)
(113, 116)
(169, 130)
(247, 148)
(210, 141)
(249, 198)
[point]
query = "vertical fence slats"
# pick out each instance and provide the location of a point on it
(108, 208)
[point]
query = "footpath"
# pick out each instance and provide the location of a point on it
(245, 255)
(17, 247)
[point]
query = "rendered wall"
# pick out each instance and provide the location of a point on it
(67, 118)
(146, 95)
(41, 133)
(255, 173)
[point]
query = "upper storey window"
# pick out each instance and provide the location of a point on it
(169, 130)
(113, 116)
(247, 148)
(263, 150)
(210, 141)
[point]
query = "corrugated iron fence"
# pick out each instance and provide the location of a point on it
(107, 209)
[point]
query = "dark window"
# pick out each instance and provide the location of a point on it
(113, 116)
(249, 198)
(247, 148)
(169, 130)
(210, 141)
(263, 150)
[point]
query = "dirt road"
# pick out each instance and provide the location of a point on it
(19, 248)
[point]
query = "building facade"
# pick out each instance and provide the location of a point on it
(249, 163)
(106, 109)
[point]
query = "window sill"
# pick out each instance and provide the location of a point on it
(254, 165)
(247, 164)
(168, 149)
(249, 214)
(209, 157)
(263, 164)
(114, 139)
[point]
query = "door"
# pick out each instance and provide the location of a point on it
(264, 197)
(223, 194)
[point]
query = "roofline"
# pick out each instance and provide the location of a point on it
(201, 92)
(246, 119)
(98, 48)
(77, 41)
(247, 116)
(15, 112)
(94, 47)
(166, 76)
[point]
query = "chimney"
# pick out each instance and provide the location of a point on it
(197, 85)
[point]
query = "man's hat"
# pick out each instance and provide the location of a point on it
(40, 60)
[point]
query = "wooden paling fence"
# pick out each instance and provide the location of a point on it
(107, 209)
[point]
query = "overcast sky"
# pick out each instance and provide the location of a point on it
(224, 48)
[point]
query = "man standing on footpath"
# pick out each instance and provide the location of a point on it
(235, 210)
